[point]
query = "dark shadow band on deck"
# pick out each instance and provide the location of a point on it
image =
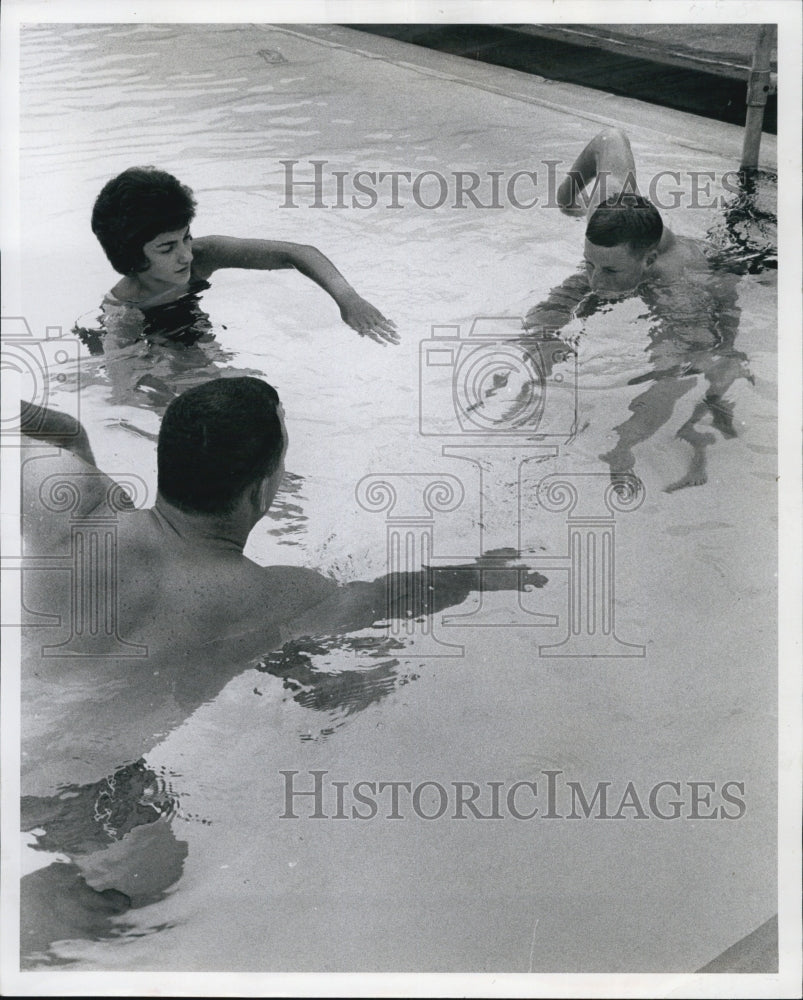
(672, 69)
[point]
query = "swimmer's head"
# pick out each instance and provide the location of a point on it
(219, 440)
(135, 207)
(621, 243)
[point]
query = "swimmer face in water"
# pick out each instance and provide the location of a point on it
(622, 242)
(169, 257)
(614, 271)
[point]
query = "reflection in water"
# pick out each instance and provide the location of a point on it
(287, 509)
(306, 668)
(746, 238)
(84, 818)
(151, 354)
(56, 904)
(121, 851)
(117, 834)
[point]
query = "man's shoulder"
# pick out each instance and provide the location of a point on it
(59, 488)
(685, 257)
(244, 606)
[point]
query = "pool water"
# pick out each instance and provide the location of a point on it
(221, 881)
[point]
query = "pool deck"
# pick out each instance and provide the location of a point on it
(702, 69)
(638, 118)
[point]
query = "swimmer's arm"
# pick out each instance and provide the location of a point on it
(606, 160)
(56, 428)
(407, 595)
(559, 308)
(59, 488)
(214, 252)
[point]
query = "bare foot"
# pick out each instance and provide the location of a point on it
(697, 474)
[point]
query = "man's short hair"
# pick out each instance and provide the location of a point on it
(626, 218)
(133, 208)
(217, 439)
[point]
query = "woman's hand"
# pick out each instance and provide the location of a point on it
(367, 320)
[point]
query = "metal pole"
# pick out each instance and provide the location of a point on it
(759, 85)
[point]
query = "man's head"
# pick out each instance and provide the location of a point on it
(621, 244)
(219, 441)
(135, 207)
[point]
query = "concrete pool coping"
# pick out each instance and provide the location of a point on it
(601, 109)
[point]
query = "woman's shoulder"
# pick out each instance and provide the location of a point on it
(126, 297)
(123, 293)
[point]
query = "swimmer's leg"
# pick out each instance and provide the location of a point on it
(607, 161)
(698, 471)
(722, 415)
(650, 410)
(721, 375)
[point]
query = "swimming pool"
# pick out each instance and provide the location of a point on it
(692, 696)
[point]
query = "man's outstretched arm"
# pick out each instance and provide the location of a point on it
(361, 604)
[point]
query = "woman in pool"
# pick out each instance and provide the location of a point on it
(142, 219)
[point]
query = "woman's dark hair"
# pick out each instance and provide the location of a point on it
(135, 207)
(626, 218)
(216, 439)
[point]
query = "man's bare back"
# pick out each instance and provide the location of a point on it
(178, 612)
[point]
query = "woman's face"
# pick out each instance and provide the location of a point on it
(169, 257)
